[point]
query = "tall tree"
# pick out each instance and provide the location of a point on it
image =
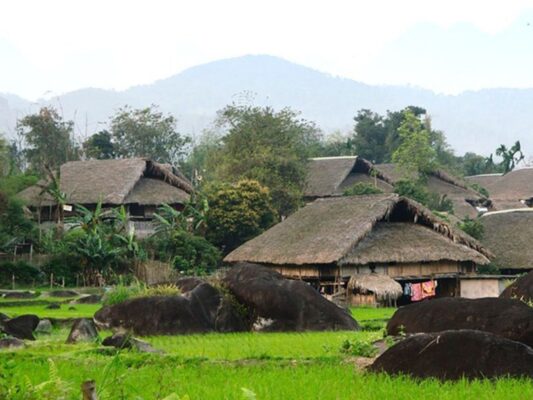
(414, 154)
(100, 146)
(269, 147)
(510, 156)
(147, 133)
(48, 139)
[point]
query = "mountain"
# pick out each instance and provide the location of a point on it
(473, 121)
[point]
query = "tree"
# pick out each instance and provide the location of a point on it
(48, 139)
(269, 147)
(370, 136)
(238, 213)
(510, 157)
(414, 154)
(100, 146)
(362, 188)
(147, 133)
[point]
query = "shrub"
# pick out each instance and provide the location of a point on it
(362, 188)
(23, 272)
(160, 290)
(63, 266)
(412, 190)
(480, 189)
(473, 227)
(358, 348)
(442, 203)
(120, 293)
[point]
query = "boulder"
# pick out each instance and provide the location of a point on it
(53, 306)
(88, 299)
(3, 317)
(20, 327)
(507, 318)
(279, 304)
(11, 343)
(124, 341)
(452, 355)
(203, 309)
(188, 283)
(521, 289)
(83, 330)
(20, 295)
(63, 293)
(44, 326)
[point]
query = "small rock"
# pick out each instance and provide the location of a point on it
(124, 341)
(83, 330)
(21, 327)
(71, 308)
(19, 295)
(53, 306)
(11, 343)
(44, 326)
(63, 293)
(88, 299)
(3, 317)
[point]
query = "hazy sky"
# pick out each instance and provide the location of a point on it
(449, 46)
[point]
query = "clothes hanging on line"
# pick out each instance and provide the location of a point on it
(423, 290)
(407, 289)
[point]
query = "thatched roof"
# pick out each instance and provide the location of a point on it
(508, 234)
(329, 176)
(115, 182)
(508, 190)
(327, 230)
(383, 286)
(483, 180)
(417, 243)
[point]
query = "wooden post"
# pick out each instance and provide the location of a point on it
(63, 282)
(88, 390)
(51, 280)
(13, 281)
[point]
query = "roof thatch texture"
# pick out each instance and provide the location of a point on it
(327, 230)
(483, 180)
(149, 191)
(328, 176)
(508, 235)
(383, 286)
(508, 190)
(407, 242)
(113, 181)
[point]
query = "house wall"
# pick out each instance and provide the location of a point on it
(403, 270)
(477, 288)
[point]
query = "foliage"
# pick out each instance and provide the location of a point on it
(473, 227)
(414, 154)
(269, 147)
(489, 269)
(440, 203)
(358, 348)
(120, 293)
(15, 226)
(474, 164)
(362, 188)
(63, 266)
(192, 218)
(147, 133)
(48, 138)
(23, 272)
(413, 190)
(510, 156)
(481, 190)
(12, 184)
(238, 213)
(160, 290)
(100, 146)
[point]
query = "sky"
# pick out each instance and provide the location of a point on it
(49, 47)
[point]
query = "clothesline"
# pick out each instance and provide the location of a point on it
(420, 291)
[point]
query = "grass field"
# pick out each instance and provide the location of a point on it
(222, 366)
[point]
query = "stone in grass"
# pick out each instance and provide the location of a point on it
(11, 343)
(83, 330)
(53, 306)
(21, 327)
(44, 326)
(72, 308)
(452, 355)
(3, 317)
(125, 341)
(88, 299)
(63, 293)
(19, 295)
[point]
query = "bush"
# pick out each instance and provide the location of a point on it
(480, 189)
(358, 348)
(362, 188)
(473, 227)
(439, 203)
(120, 293)
(24, 273)
(412, 190)
(160, 290)
(63, 266)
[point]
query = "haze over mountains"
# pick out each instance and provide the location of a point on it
(473, 121)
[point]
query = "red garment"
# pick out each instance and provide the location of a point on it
(416, 292)
(428, 289)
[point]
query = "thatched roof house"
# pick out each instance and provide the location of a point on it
(508, 234)
(464, 199)
(331, 176)
(139, 183)
(511, 190)
(335, 238)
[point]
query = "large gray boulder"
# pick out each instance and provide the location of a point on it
(202, 309)
(83, 330)
(521, 289)
(507, 318)
(21, 327)
(452, 355)
(280, 304)
(10, 343)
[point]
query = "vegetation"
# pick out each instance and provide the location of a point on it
(238, 213)
(510, 156)
(473, 227)
(361, 188)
